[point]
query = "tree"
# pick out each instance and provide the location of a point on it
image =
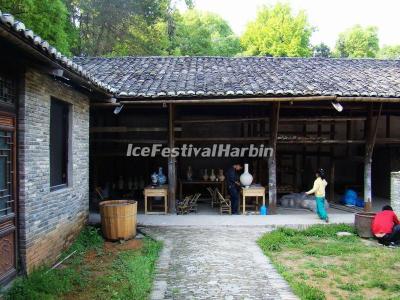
(47, 18)
(203, 33)
(389, 52)
(143, 39)
(321, 50)
(102, 24)
(358, 42)
(277, 32)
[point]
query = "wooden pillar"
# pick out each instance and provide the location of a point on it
(274, 120)
(332, 164)
(370, 136)
(171, 160)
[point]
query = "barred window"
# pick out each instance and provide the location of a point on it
(8, 89)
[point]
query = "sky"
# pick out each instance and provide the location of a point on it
(329, 16)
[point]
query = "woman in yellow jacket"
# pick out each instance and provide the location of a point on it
(319, 191)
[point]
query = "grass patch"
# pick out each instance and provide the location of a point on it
(97, 270)
(332, 267)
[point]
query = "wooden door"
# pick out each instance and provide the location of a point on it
(8, 231)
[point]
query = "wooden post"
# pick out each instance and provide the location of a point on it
(274, 120)
(370, 136)
(171, 160)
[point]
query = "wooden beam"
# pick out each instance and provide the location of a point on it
(222, 120)
(130, 129)
(129, 141)
(272, 184)
(296, 140)
(371, 133)
(171, 160)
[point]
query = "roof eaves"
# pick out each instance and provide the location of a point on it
(35, 42)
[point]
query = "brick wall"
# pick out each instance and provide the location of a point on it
(49, 220)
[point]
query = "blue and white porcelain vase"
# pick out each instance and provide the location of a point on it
(162, 179)
(154, 178)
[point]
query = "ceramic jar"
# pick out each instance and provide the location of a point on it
(212, 176)
(246, 178)
(162, 179)
(221, 176)
(154, 178)
(189, 173)
(205, 175)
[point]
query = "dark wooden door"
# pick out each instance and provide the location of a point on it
(8, 231)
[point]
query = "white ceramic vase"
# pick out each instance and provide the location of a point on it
(212, 176)
(246, 178)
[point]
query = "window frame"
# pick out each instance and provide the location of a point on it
(67, 141)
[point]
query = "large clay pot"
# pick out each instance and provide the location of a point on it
(246, 178)
(118, 219)
(363, 222)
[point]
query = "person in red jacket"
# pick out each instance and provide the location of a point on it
(386, 227)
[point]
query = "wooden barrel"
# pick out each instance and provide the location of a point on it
(118, 219)
(363, 222)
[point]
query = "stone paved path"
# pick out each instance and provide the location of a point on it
(214, 263)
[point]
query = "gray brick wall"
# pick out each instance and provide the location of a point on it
(49, 220)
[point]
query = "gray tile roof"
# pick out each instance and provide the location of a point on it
(210, 77)
(9, 23)
(196, 77)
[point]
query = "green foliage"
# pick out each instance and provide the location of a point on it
(321, 50)
(389, 52)
(292, 238)
(203, 33)
(48, 18)
(133, 271)
(358, 42)
(142, 39)
(45, 283)
(129, 275)
(278, 32)
(303, 290)
(103, 24)
(345, 266)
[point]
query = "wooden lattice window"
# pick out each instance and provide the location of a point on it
(8, 89)
(6, 173)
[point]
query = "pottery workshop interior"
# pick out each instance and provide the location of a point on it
(308, 136)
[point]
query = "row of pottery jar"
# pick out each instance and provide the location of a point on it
(158, 178)
(213, 177)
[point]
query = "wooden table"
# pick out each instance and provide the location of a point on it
(156, 191)
(221, 184)
(252, 191)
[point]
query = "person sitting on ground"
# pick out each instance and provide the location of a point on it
(386, 227)
(319, 191)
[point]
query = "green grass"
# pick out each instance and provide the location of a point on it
(328, 266)
(118, 275)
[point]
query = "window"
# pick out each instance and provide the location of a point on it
(8, 91)
(59, 140)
